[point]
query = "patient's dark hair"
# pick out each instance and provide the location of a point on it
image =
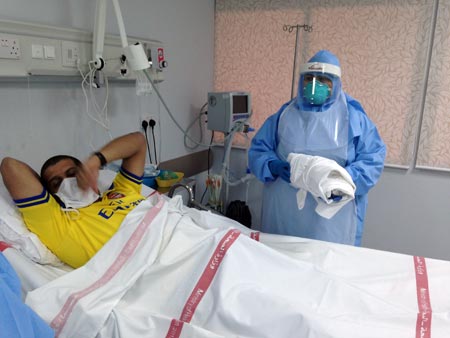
(55, 159)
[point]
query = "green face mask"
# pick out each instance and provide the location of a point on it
(319, 95)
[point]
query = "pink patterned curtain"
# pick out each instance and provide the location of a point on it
(382, 47)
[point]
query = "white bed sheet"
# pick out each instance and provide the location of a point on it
(309, 288)
(33, 275)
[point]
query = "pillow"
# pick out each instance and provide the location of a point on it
(14, 231)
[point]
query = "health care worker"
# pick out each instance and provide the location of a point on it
(321, 121)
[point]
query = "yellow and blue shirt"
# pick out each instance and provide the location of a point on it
(76, 236)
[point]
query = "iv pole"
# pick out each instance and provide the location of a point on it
(289, 29)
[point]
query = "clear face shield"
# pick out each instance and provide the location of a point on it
(317, 82)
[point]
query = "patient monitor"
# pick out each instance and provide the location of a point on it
(225, 108)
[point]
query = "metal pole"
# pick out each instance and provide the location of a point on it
(289, 28)
(293, 94)
(425, 87)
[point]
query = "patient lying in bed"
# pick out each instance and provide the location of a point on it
(72, 229)
(172, 271)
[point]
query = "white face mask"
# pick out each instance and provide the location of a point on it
(73, 197)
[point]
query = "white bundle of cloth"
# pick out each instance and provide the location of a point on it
(330, 184)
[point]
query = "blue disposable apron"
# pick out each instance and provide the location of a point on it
(312, 133)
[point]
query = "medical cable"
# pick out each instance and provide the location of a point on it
(173, 118)
(199, 119)
(209, 154)
(84, 77)
(88, 79)
(226, 159)
(144, 126)
(159, 130)
(168, 110)
(84, 82)
(247, 184)
(102, 112)
(152, 126)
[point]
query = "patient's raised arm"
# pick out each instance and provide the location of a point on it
(20, 180)
(130, 148)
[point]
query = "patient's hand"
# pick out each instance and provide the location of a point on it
(87, 174)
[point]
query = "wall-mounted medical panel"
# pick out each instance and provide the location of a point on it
(33, 49)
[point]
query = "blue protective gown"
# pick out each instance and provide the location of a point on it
(359, 149)
(16, 318)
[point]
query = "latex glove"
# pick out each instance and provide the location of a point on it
(281, 169)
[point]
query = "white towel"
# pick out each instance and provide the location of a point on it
(323, 178)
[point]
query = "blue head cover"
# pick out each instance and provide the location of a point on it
(325, 57)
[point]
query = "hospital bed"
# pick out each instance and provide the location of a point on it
(34, 275)
(175, 271)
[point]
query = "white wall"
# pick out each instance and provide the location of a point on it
(42, 119)
(410, 213)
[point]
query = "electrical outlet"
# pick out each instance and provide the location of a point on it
(143, 119)
(147, 118)
(71, 52)
(153, 117)
(9, 48)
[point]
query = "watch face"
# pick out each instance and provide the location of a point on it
(212, 101)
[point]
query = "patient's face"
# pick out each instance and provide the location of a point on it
(55, 174)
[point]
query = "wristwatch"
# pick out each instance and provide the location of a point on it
(102, 159)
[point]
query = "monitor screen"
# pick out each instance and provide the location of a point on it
(240, 104)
